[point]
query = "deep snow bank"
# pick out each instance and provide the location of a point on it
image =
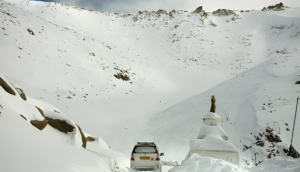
(25, 147)
(197, 163)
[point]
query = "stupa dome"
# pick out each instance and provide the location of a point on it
(212, 119)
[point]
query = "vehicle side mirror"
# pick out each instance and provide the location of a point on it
(162, 154)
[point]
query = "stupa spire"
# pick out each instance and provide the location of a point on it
(213, 105)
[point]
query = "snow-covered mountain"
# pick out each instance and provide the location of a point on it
(149, 76)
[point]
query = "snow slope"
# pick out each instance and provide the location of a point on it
(175, 62)
(25, 147)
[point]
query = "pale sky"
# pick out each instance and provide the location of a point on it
(133, 6)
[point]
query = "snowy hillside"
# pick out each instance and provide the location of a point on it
(149, 76)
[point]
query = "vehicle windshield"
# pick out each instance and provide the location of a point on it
(145, 149)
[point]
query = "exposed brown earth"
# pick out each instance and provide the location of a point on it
(6, 87)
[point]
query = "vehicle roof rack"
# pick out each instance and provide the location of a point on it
(145, 143)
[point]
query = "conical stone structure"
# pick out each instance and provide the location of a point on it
(212, 140)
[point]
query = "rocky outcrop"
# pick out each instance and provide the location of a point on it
(298, 82)
(82, 137)
(6, 87)
(21, 93)
(41, 111)
(160, 12)
(277, 7)
(271, 137)
(60, 125)
(39, 124)
(200, 10)
(172, 14)
(148, 14)
(90, 139)
(224, 12)
(260, 143)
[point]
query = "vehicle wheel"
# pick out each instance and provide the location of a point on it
(157, 169)
(132, 170)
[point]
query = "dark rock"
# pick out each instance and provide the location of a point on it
(199, 10)
(39, 124)
(60, 125)
(270, 138)
(172, 13)
(298, 82)
(21, 93)
(269, 130)
(277, 7)
(260, 143)
(82, 137)
(224, 12)
(41, 111)
(247, 147)
(278, 139)
(90, 139)
(23, 117)
(6, 87)
(30, 31)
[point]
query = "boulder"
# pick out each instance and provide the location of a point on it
(60, 125)
(39, 124)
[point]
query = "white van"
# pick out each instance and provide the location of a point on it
(145, 157)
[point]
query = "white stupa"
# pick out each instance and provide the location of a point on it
(212, 140)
